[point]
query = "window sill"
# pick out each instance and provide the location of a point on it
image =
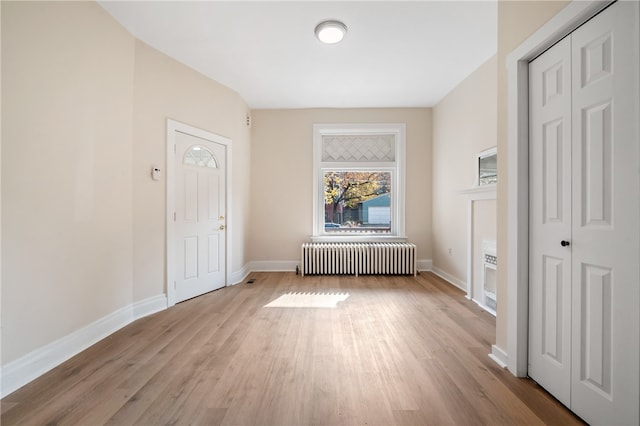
(357, 239)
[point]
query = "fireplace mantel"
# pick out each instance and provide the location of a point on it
(484, 192)
(473, 194)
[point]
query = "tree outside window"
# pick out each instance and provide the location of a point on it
(357, 201)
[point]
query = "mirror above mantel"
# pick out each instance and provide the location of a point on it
(485, 176)
(487, 167)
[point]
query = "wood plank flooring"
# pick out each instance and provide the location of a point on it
(397, 351)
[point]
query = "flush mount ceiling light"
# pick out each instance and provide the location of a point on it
(330, 32)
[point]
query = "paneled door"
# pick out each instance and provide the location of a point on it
(584, 278)
(550, 220)
(199, 216)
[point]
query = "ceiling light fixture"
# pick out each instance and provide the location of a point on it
(330, 32)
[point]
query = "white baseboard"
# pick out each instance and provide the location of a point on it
(273, 265)
(499, 356)
(23, 370)
(149, 306)
(424, 265)
(262, 266)
(238, 276)
(448, 277)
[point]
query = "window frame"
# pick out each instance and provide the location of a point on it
(397, 169)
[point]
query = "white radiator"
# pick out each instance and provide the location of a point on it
(358, 259)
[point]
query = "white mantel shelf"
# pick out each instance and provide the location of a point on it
(484, 192)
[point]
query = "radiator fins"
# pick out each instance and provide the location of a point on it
(358, 259)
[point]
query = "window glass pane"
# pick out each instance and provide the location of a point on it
(198, 155)
(357, 202)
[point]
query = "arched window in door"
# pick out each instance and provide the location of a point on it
(198, 155)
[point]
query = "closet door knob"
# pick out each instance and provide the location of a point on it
(564, 243)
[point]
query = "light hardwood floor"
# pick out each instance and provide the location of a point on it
(398, 350)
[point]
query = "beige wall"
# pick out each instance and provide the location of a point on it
(464, 124)
(84, 118)
(282, 176)
(165, 89)
(516, 21)
(67, 79)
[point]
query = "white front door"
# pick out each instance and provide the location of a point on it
(584, 344)
(200, 212)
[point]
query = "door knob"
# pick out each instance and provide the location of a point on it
(221, 227)
(564, 243)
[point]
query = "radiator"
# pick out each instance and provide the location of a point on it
(358, 259)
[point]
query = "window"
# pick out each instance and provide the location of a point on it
(359, 182)
(357, 201)
(198, 155)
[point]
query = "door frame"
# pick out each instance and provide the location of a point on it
(568, 19)
(174, 126)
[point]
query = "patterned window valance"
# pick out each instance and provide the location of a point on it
(358, 148)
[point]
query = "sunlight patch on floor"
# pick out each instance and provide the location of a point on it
(308, 300)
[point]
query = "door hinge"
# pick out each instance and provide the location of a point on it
(175, 149)
(174, 216)
(174, 285)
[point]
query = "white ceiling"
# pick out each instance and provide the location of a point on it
(395, 54)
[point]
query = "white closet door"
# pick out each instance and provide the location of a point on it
(606, 217)
(550, 220)
(584, 313)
